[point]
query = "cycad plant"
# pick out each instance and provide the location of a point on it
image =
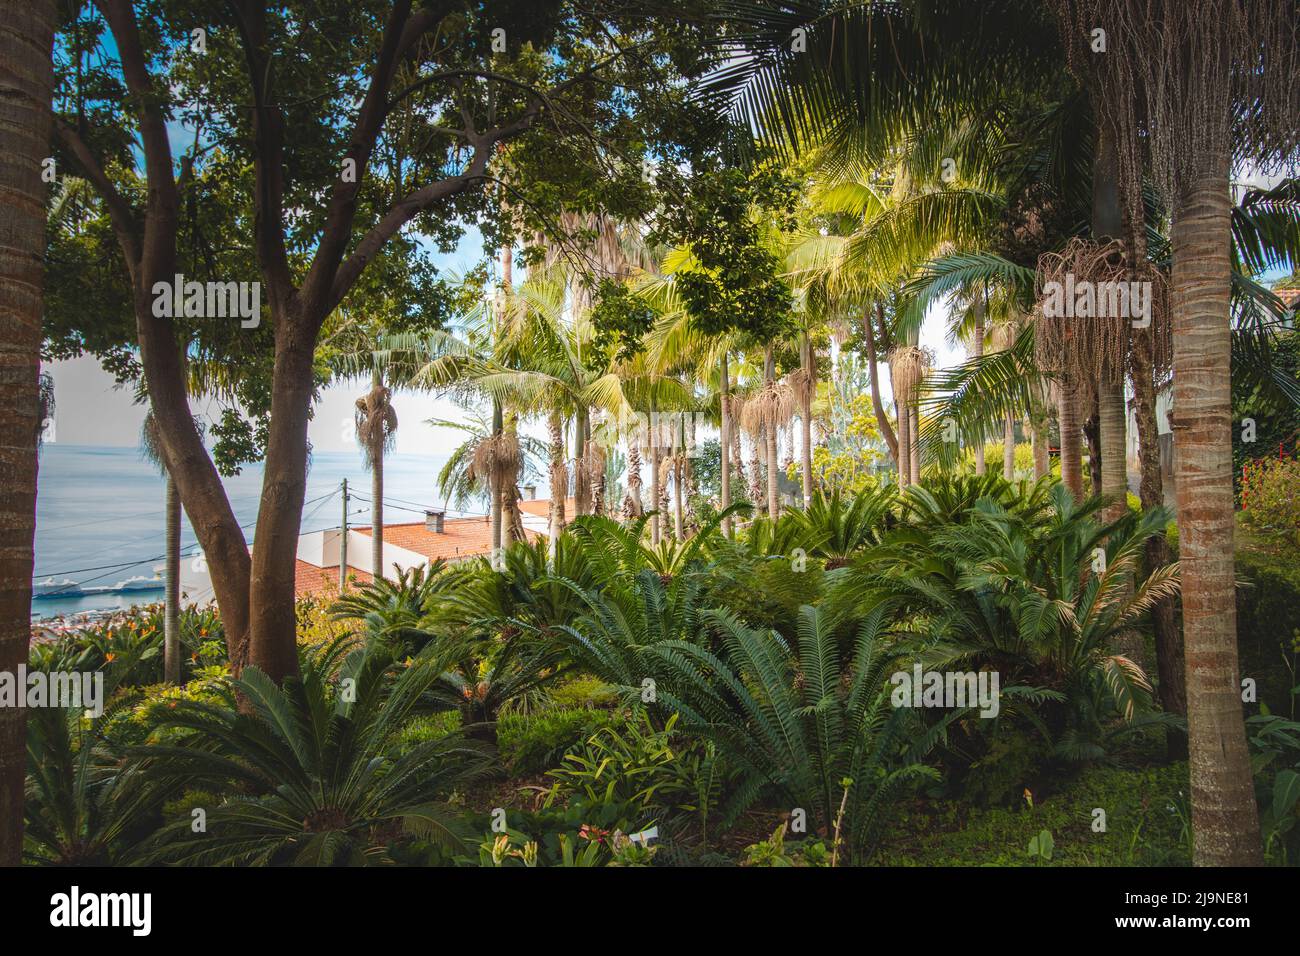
(386, 607)
(611, 638)
(485, 678)
(808, 727)
(309, 773)
(837, 528)
(1041, 597)
(83, 804)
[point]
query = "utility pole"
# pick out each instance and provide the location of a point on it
(343, 542)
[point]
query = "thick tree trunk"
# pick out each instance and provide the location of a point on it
(1071, 437)
(26, 81)
(1169, 642)
(724, 452)
(1112, 421)
(273, 644)
(1224, 815)
(873, 367)
(172, 586)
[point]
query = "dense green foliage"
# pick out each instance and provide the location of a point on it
(543, 713)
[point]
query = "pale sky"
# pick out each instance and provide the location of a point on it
(91, 411)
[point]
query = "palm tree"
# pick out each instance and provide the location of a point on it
(358, 348)
(466, 477)
(26, 82)
(376, 427)
(762, 415)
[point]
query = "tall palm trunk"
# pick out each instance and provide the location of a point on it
(633, 507)
(1112, 422)
(377, 507)
(1092, 437)
(873, 368)
(1108, 223)
(978, 350)
(559, 482)
(1009, 449)
(914, 440)
(1224, 816)
(724, 402)
(26, 81)
(805, 415)
(655, 519)
(581, 482)
(172, 586)
(679, 518)
(769, 377)
(495, 493)
(1169, 648)
(904, 442)
(1042, 459)
(1067, 413)
(738, 460)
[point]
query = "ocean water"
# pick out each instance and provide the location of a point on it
(100, 523)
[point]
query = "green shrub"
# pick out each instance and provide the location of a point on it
(582, 692)
(635, 764)
(1270, 497)
(531, 744)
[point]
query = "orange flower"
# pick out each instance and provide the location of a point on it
(109, 657)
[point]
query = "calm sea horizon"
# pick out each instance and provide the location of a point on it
(100, 522)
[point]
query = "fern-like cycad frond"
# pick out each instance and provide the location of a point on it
(801, 722)
(306, 772)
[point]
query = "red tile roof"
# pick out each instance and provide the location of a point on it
(541, 507)
(460, 538)
(309, 579)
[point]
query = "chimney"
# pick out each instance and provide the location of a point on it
(433, 520)
(530, 492)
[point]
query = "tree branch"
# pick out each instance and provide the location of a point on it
(158, 247)
(120, 213)
(268, 156)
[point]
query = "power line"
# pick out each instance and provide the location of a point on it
(132, 564)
